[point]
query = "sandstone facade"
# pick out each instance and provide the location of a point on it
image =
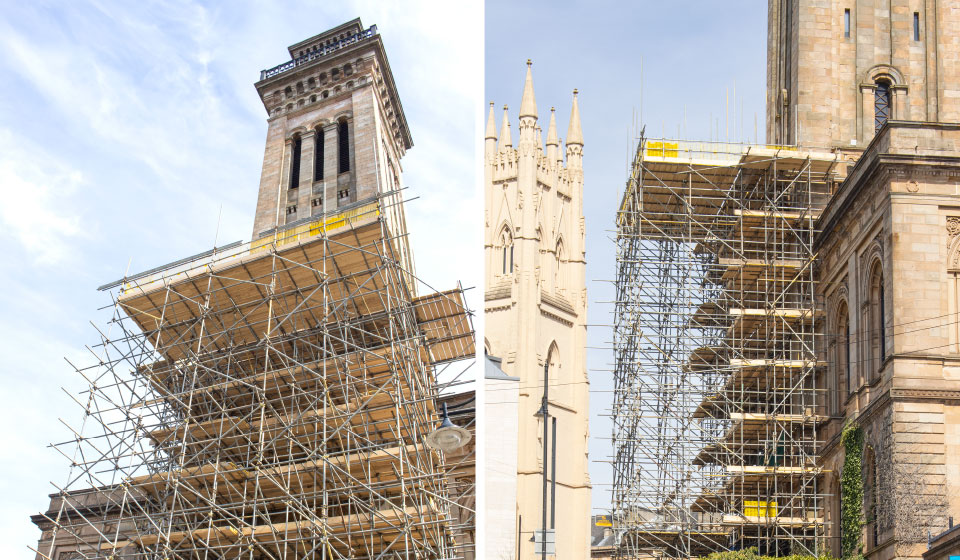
(887, 245)
(826, 58)
(342, 99)
(536, 309)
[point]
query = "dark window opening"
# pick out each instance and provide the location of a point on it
(846, 22)
(916, 26)
(343, 147)
(881, 327)
(506, 252)
(875, 323)
(846, 354)
(295, 164)
(881, 104)
(318, 156)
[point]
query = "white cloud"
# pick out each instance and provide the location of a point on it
(142, 122)
(37, 211)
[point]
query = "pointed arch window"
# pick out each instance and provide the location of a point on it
(295, 163)
(881, 104)
(553, 358)
(506, 251)
(343, 146)
(561, 386)
(557, 266)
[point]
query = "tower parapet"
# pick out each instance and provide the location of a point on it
(336, 129)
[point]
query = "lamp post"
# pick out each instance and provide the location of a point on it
(544, 412)
(448, 436)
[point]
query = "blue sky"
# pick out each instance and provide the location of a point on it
(128, 128)
(695, 54)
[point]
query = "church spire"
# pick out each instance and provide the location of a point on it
(552, 129)
(490, 138)
(528, 105)
(505, 140)
(491, 126)
(574, 133)
(553, 143)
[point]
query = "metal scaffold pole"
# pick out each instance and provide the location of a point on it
(718, 358)
(272, 400)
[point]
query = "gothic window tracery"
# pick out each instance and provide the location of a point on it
(506, 251)
(558, 257)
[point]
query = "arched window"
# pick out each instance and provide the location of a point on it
(877, 330)
(553, 358)
(881, 104)
(318, 155)
(843, 361)
(343, 146)
(295, 163)
(506, 251)
(561, 388)
(558, 257)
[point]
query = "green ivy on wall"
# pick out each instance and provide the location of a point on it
(752, 554)
(851, 492)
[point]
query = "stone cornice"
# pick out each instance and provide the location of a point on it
(924, 394)
(880, 156)
(555, 317)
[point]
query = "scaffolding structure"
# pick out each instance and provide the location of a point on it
(271, 400)
(718, 367)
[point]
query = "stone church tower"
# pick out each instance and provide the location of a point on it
(879, 83)
(536, 308)
(336, 131)
(835, 66)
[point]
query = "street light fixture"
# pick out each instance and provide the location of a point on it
(448, 436)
